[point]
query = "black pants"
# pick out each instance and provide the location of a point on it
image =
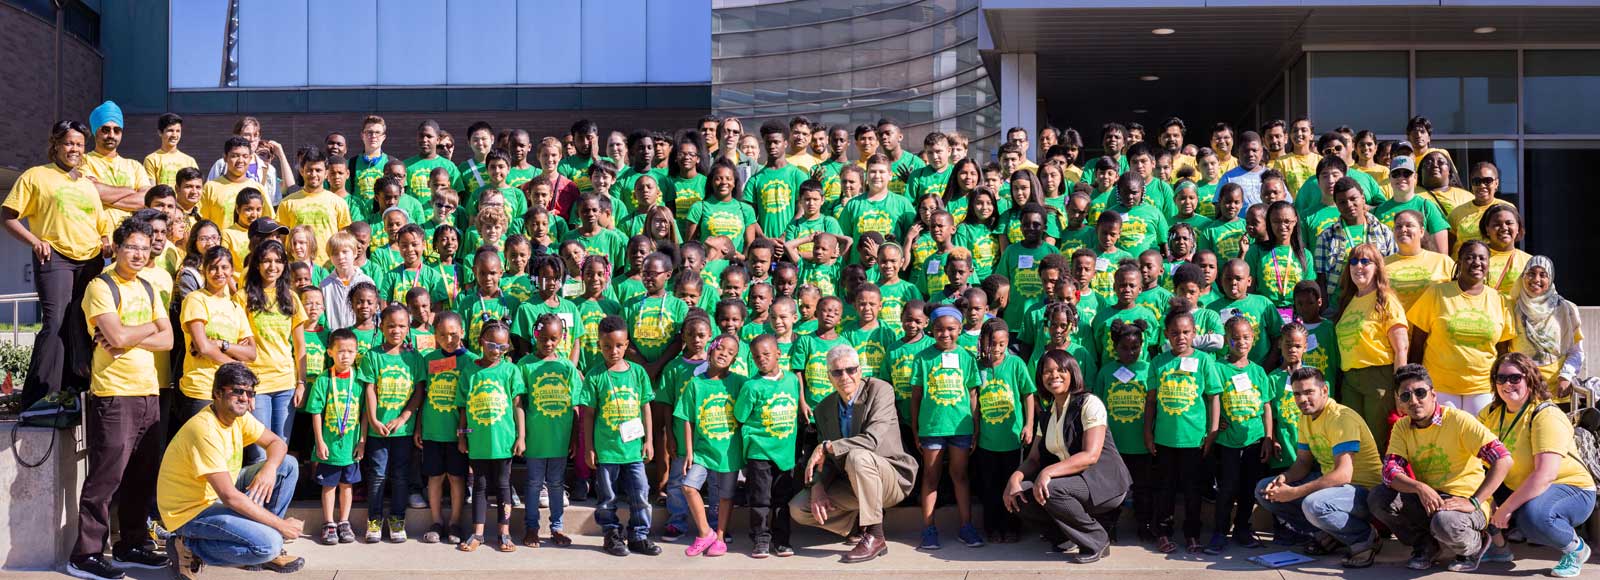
(183, 409)
(990, 472)
(483, 470)
(124, 444)
(1238, 472)
(1143, 491)
(770, 490)
(1070, 514)
(62, 350)
(1179, 471)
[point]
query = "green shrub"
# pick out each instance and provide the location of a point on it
(14, 359)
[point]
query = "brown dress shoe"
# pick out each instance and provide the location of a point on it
(869, 548)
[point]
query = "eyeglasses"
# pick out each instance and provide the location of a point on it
(844, 371)
(1330, 152)
(1419, 393)
(496, 346)
(1361, 261)
(444, 206)
(1509, 378)
(240, 392)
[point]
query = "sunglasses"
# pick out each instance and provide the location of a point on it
(1419, 393)
(445, 206)
(1361, 261)
(496, 346)
(240, 392)
(1483, 181)
(844, 371)
(1509, 378)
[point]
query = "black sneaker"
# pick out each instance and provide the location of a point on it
(142, 557)
(783, 551)
(644, 546)
(760, 551)
(614, 543)
(94, 567)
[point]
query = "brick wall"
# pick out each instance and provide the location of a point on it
(28, 67)
(203, 135)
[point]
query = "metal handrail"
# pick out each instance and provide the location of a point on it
(16, 301)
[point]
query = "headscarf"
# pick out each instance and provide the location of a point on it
(107, 112)
(1541, 317)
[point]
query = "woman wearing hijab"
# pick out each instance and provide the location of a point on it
(1548, 327)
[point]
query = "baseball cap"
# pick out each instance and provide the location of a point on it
(1402, 162)
(263, 227)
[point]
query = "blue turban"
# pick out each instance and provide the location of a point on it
(107, 112)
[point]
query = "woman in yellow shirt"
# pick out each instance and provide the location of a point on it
(1548, 328)
(1460, 327)
(1552, 493)
(1374, 339)
(218, 331)
(277, 320)
(65, 224)
(247, 207)
(1502, 228)
(1439, 182)
(1412, 268)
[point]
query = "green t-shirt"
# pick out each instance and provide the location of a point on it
(979, 241)
(872, 347)
(1143, 228)
(1156, 300)
(576, 168)
(488, 396)
(889, 216)
(1124, 390)
(1224, 239)
(395, 378)
(398, 281)
(363, 175)
(1020, 264)
(824, 276)
(722, 218)
(1322, 352)
(1433, 218)
(338, 401)
(1105, 349)
(517, 286)
(1070, 241)
(528, 315)
(900, 171)
(827, 173)
(1245, 392)
(1285, 421)
(810, 357)
(945, 379)
(417, 172)
(768, 412)
(902, 365)
(708, 405)
(366, 340)
(1277, 271)
(654, 322)
(317, 353)
(1002, 397)
(439, 412)
(681, 193)
(1263, 317)
(590, 313)
(550, 385)
(1105, 270)
(675, 377)
(895, 297)
(617, 398)
(926, 180)
(628, 178)
(773, 190)
(1182, 385)
(801, 227)
(604, 242)
(1011, 226)
(475, 310)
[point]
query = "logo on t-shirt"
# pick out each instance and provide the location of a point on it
(621, 405)
(1471, 329)
(1178, 391)
(945, 386)
(778, 415)
(442, 390)
(714, 417)
(552, 395)
(995, 403)
(488, 402)
(394, 387)
(1125, 401)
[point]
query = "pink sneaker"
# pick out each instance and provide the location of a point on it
(701, 544)
(717, 548)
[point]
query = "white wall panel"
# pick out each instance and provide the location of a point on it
(411, 42)
(482, 39)
(549, 46)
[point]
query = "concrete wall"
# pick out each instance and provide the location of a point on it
(39, 516)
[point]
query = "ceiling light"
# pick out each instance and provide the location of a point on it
(1140, 111)
(1484, 30)
(1162, 31)
(1149, 78)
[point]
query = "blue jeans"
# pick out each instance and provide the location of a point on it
(276, 411)
(388, 462)
(221, 537)
(1550, 518)
(678, 507)
(627, 478)
(548, 474)
(1340, 511)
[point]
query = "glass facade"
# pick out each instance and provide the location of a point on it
(1561, 91)
(1366, 90)
(849, 63)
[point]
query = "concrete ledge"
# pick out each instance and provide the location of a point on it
(40, 513)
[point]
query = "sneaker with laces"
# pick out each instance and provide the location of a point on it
(930, 539)
(374, 531)
(397, 529)
(1571, 563)
(141, 557)
(1500, 554)
(761, 551)
(417, 501)
(158, 532)
(516, 498)
(185, 566)
(330, 534)
(346, 534)
(644, 546)
(614, 544)
(783, 551)
(544, 498)
(1422, 556)
(969, 535)
(284, 563)
(94, 567)
(1469, 562)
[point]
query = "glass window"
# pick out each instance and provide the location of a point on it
(1561, 91)
(411, 50)
(1295, 87)
(619, 25)
(1502, 153)
(548, 50)
(1468, 92)
(678, 41)
(1365, 90)
(346, 29)
(194, 57)
(1563, 171)
(480, 36)
(272, 44)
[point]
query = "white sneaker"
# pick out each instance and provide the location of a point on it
(418, 502)
(544, 498)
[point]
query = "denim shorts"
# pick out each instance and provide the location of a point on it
(697, 476)
(443, 458)
(937, 443)
(333, 475)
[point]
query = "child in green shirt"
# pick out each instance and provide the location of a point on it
(492, 431)
(942, 379)
(897, 293)
(1245, 441)
(389, 375)
(811, 220)
(768, 412)
(516, 281)
(551, 378)
(1236, 301)
(654, 319)
(819, 267)
(442, 460)
(1183, 414)
(1128, 282)
(810, 355)
(1122, 384)
(617, 433)
(668, 435)
(873, 339)
(1005, 423)
(914, 320)
(335, 407)
(713, 448)
(316, 334)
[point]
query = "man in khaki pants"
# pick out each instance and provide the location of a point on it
(859, 465)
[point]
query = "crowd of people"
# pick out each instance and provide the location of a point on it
(814, 320)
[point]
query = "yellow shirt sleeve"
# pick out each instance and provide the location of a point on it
(97, 301)
(194, 308)
(1423, 313)
(21, 198)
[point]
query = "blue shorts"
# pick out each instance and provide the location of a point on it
(443, 458)
(334, 475)
(697, 475)
(937, 443)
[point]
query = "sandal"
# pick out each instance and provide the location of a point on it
(471, 543)
(1195, 547)
(559, 539)
(506, 545)
(1164, 545)
(530, 538)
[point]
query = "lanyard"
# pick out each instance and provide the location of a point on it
(1511, 427)
(349, 401)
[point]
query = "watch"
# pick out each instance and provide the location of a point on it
(224, 346)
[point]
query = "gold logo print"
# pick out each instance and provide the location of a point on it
(1178, 392)
(817, 383)
(1125, 402)
(1431, 464)
(725, 223)
(552, 395)
(621, 406)
(714, 417)
(874, 220)
(1134, 231)
(442, 390)
(394, 387)
(945, 387)
(488, 402)
(778, 415)
(995, 403)
(1471, 328)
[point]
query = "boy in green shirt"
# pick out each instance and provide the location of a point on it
(442, 459)
(810, 355)
(654, 319)
(768, 412)
(551, 378)
(335, 407)
(419, 169)
(1020, 261)
(713, 448)
(772, 189)
(491, 427)
(1236, 301)
(616, 431)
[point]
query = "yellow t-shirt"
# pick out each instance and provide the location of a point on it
(324, 211)
(118, 171)
(164, 167)
(1448, 199)
(202, 447)
(1226, 163)
(1463, 330)
(1444, 456)
(1339, 429)
(1181, 161)
(162, 282)
(225, 320)
(1379, 174)
(216, 200)
(274, 332)
(1505, 271)
(237, 241)
(134, 374)
(62, 211)
(1410, 275)
(1363, 332)
(804, 160)
(1297, 169)
(1547, 432)
(1464, 221)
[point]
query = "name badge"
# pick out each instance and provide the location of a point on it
(1189, 364)
(1102, 264)
(441, 365)
(950, 360)
(1311, 342)
(631, 430)
(566, 319)
(933, 266)
(1241, 382)
(1024, 261)
(1123, 375)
